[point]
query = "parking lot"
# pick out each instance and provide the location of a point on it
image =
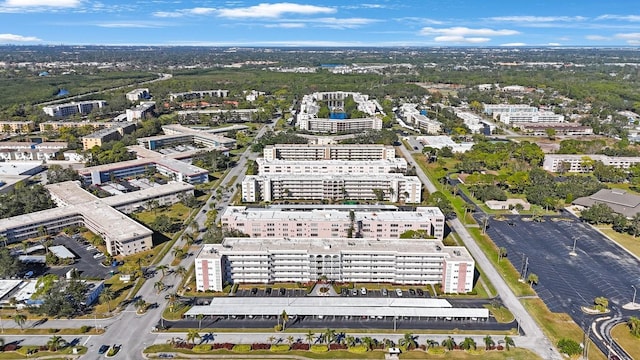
(600, 268)
(356, 292)
(87, 265)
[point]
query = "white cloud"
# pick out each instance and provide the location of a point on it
(185, 12)
(42, 3)
(275, 10)
(461, 39)
(514, 44)
(347, 23)
(135, 25)
(596, 38)
(632, 18)
(286, 25)
(554, 44)
(537, 19)
(464, 31)
(630, 38)
(5, 38)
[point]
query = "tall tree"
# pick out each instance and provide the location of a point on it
(106, 296)
(20, 319)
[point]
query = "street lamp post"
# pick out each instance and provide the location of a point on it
(633, 301)
(573, 251)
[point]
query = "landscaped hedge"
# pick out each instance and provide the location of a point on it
(260, 346)
(202, 348)
(226, 346)
(358, 349)
(242, 348)
(335, 346)
(317, 348)
(438, 350)
(280, 347)
(300, 346)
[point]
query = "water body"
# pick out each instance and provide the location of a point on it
(62, 92)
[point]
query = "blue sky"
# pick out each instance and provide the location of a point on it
(322, 22)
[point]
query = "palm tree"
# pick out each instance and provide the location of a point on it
(449, 343)
(271, 339)
(468, 343)
(3, 239)
(635, 224)
(55, 343)
(163, 269)
(159, 286)
(388, 343)
(329, 335)
(350, 340)
(431, 343)
(310, 336)
(173, 299)
(106, 296)
(192, 335)
(488, 342)
(508, 342)
(408, 341)
(368, 342)
(285, 318)
(290, 340)
(178, 253)
(502, 252)
(140, 305)
(199, 317)
(532, 279)
(20, 319)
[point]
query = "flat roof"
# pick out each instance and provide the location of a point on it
(7, 285)
(421, 214)
(148, 193)
(62, 252)
(17, 167)
(330, 306)
(398, 162)
(316, 176)
(335, 246)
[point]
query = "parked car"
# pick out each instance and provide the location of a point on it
(363, 291)
(354, 292)
(399, 292)
(385, 292)
(103, 349)
(254, 291)
(412, 292)
(268, 291)
(283, 291)
(420, 292)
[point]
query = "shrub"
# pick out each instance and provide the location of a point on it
(569, 347)
(337, 347)
(260, 346)
(317, 348)
(278, 327)
(242, 348)
(226, 346)
(280, 347)
(202, 348)
(300, 346)
(85, 328)
(438, 350)
(52, 331)
(358, 349)
(499, 347)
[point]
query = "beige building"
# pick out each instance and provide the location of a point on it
(17, 127)
(105, 135)
(394, 261)
(76, 207)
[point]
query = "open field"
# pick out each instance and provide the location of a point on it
(629, 343)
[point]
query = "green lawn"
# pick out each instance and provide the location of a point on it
(629, 343)
(627, 241)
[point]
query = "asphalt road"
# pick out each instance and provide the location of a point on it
(566, 282)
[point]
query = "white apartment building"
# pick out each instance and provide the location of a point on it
(141, 111)
(328, 152)
(68, 109)
(493, 109)
(474, 122)
(138, 94)
(575, 163)
(190, 95)
(339, 125)
(278, 166)
(413, 116)
(529, 117)
(178, 134)
(395, 261)
(336, 222)
(394, 187)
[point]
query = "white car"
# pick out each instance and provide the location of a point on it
(399, 292)
(363, 291)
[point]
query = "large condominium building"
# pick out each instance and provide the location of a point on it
(178, 134)
(112, 133)
(584, 163)
(76, 207)
(396, 261)
(335, 222)
(27, 151)
(278, 166)
(141, 111)
(562, 128)
(190, 95)
(138, 94)
(495, 109)
(529, 117)
(308, 120)
(57, 125)
(339, 125)
(68, 109)
(17, 127)
(328, 152)
(389, 187)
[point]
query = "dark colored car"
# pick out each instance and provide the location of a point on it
(283, 291)
(412, 292)
(254, 291)
(267, 291)
(420, 292)
(103, 349)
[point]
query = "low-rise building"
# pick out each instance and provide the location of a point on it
(620, 201)
(396, 261)
(68, 109)
(142, 111)
(385, 187)
(334, 222)
(584, 163)
(178, 134)
(529, 117)
(17, 127)
(27, 151)
(494, 109)
(442, 141)
(190, 95)
(138, 94)
(112, 133)
(561, 129)
(277, 166)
